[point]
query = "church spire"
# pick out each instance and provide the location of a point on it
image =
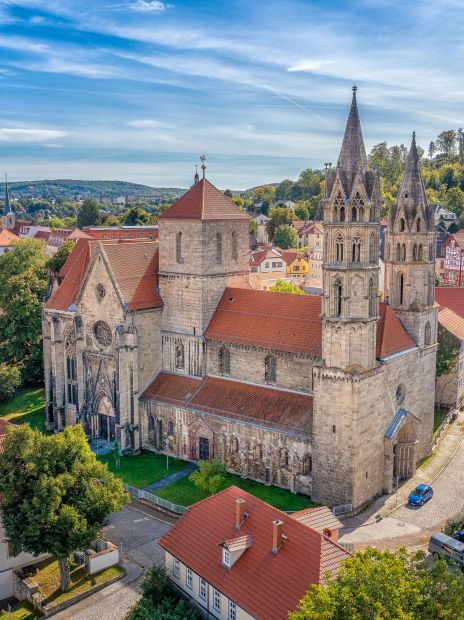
(412, 194)
(7, 208)
(353, 153)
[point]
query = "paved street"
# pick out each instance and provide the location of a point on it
(137, 533)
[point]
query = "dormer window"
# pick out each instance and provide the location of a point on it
(226, 557)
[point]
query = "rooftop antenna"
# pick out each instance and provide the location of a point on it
(203, 165)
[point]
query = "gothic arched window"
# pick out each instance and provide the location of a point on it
(427, 334)
(338, 292)
(234, 246)
(431, 291)
(420, 253)
(371, 295)
(403, 252)
(218, 247)
(151, 424)
(180, 356)
(356, 250)
(179, 258)
(342, 214)
(402, 225)
(160, 435)
(258, 452)
(372, 214)
(235, 445)
(306, 464)
(414, 252)
(398, 252)
(270, 369)
(354, 214)
(339, 248)
(71, 367)
(339, 208)
(418, 224)
(284, 458)
(431, 251)
(170, 428)
(400, 284)
(372, 256)
(224, 361)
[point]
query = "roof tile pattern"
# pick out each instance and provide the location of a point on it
(452, 298)
(452, 322)
(71, 276)
(7, 237)
(392, 337)
(318, 518)
(265, 584)
(287, 411)
(203, 201)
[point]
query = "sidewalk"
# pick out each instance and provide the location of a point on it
(152, 488)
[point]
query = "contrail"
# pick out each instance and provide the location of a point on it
(298, 105)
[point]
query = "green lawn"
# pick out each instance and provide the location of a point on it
(21, 611)
(184, 493)
(27, 407)
(140, 471)
(440, 416)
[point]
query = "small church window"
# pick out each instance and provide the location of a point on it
(371, 294)
(151, 424)
(258, 452)
(403, 252)
(218, 247)
(284, 458)
(402, 225)
(306, 464)
(418, 224)
(372, 214)
(235, 445)
(356, 250)
(398, 252)
(170, 428)
(354, 214)
(427, 333)
(338, 292)
(372, 256)
(420, 253)
(342, 214)
(431, 291)
(339, 248)
(180, 356)
(401, 289)
(414, 252)
(179, 258)
(234, 246)
(224, 361)
(270, 369)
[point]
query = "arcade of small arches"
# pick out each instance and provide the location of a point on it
(219, 247)
(417, 254)
(357, 254)
(402, 225)
(249, 458)
(353, 210)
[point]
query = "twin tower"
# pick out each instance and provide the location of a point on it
(351, 246)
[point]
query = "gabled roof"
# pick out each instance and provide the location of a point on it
(203, 201)
(392, 337)
(319, 518)
(452, 297)
(7, 237)
(452, 322)
(255, 404)
(134, 266)
(266, 585)
(458, 237)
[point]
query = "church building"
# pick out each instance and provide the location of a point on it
(164, 345)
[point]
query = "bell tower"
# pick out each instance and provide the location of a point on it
(410, 255)
(351, 250)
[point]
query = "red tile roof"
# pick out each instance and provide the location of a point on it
(134, 265)
(287, 322)
(122, 233)
(452, 298)
(43, 234)
(452, 322)
(203, 201)
(280, 409)
(318, 518)
(392, 337)
(7, 237)
(266, 585)
(280, 321)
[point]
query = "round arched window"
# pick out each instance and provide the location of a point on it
(102, 333)
(100, 291)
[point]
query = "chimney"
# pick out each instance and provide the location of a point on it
(277, 537)
(239, 512)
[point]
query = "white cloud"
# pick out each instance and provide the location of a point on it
(149, 6)
(24, 134)
(146, 122)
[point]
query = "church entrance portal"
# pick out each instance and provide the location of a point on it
(204, 448)
(106, 424)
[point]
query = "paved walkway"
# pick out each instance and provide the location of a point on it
(389, 522)
(178, 475)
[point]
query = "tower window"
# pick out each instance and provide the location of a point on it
(400, 289)
(398, 252)
(354, 214)
(414, 252)
(418, 224)
(270, 369)
(402, 225)
(371, 294)
(342, 214)
(420, 253)
(338, 292)
(234, 246)
(179, 258)
(427, 333)
(218, 248)
(356, 250)
(372, 257)
(224, 361)
(403, 252)
(339, 248)
(180, 356)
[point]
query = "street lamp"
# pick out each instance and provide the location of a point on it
(166, 448)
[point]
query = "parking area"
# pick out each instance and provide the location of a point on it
(137, 534)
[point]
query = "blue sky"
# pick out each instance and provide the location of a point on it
(137, 89)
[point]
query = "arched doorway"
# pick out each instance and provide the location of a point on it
(201, 446)
(400, 449)
(106, 419)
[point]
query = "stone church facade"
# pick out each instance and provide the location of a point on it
(165, 346)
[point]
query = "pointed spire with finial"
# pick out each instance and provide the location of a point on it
(196, 178)
(353, 152)
(412, 191)
(7, 208)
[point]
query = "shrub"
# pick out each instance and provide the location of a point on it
(209, 477)
(10, 380)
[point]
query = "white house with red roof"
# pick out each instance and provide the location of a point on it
(165, 345)
(238, 558)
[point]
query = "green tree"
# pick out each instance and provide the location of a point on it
(284, 190)
(447, 352)
(10, 380)
(264, 196)
(58, 259)
(301, 210)
(210, 476)
(446, 143)
(238, 202)
(455, 200)
(286, 237)
(286, 287)
(277, 217)
(23, 285)
(136, 216)
(253, 227)
(384, 585)
(54, 494)
(88, 213)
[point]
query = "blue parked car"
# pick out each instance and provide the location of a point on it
(459, 535)
(420, 495)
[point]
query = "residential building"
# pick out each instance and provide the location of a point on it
(237, 558)
(8, 562)
(7, 240)
(442, 236)
(60, 236)
(267, 260)
(450, 386)
(311, 236)
(443, 215)
(454, 259)
(262, 236)
(297, 264)
(165, 346)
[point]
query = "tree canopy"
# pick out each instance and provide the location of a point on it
(285, 236)
(88, 214)
(210, 475)
(58, 259)
(54, 494)
(277, 217)
(286, 287)
(384, 585)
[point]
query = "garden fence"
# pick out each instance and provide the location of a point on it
(154, 499)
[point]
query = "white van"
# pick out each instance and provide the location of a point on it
(448, 548)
